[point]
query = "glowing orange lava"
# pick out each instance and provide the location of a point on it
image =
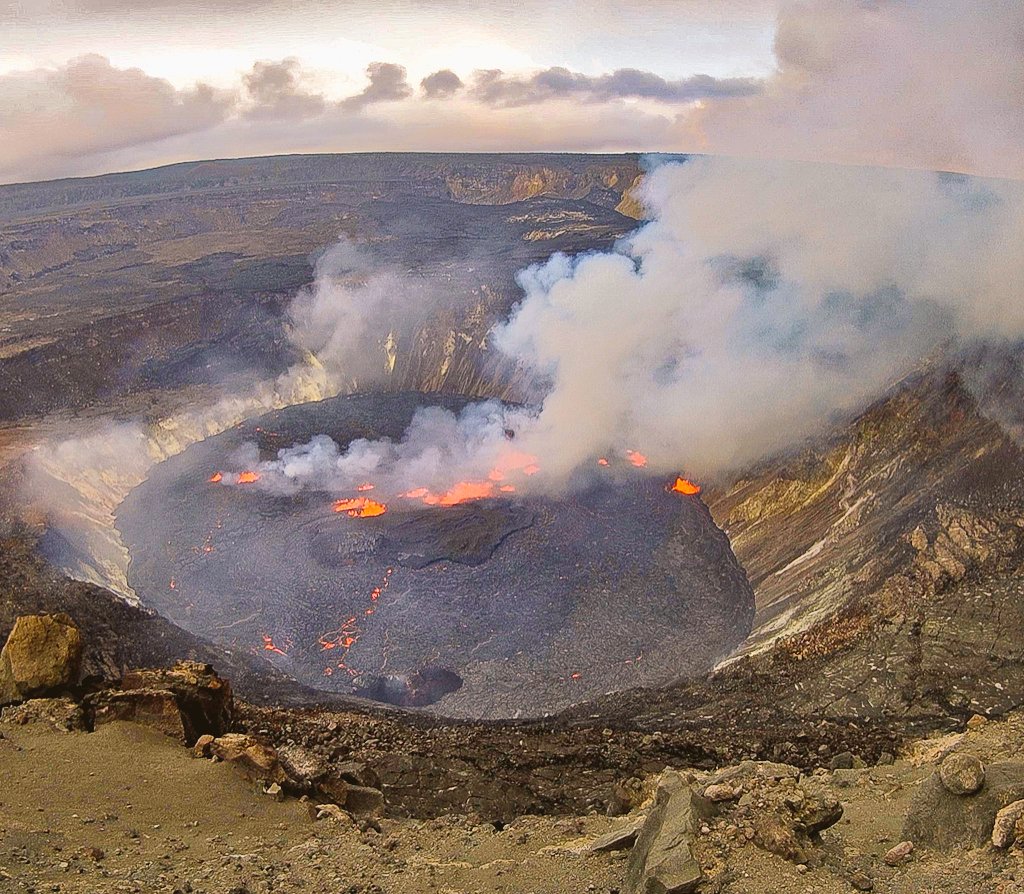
(268, 645)
(683, 486)
(364, 487)
(462, 492)
(360, 507)
(248, 477)
(347, 635)
(637, 459)
(215, 477)
(509, 463)
(602, 461)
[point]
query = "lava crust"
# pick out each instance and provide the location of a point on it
(494, 608)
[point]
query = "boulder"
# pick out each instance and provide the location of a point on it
(898, 854)
(61, 713)
(256, 760)
(663, 860)
(155, 708)
(361, 800)
(782, 813)
(350, 784)
(1004, 829)
(202, 746)
(961, 774)
(941, 819)
(204, 699)
(43, 655)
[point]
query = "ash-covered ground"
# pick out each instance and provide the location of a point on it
(492, 608)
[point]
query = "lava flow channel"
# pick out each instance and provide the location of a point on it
(347, 635)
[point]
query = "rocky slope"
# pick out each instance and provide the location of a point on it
(164, 783)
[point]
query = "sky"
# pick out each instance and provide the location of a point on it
(90, 86)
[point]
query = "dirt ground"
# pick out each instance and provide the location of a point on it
(125, 809)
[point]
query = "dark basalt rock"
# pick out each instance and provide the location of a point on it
(468, 534)
(528, 604)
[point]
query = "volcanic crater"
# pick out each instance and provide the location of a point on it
(506, 606)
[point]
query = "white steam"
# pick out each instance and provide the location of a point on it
(762, 302)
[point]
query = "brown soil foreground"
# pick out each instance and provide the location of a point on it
(125, 809)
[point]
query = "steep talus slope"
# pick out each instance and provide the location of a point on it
(888, 569)
(826, 532)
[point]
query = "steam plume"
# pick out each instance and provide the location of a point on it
(763, 301)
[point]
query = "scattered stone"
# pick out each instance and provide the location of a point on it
(43, 655)
(256, 760)
(352, 785)
(154, 708)
(941, 819)
(274, 791)
(896, 855)
(329, 811)
(976, 721)
(663, 861)
(619, 838)
(203, 746)
(861, 881)
(842, 761)
(721, 792)
(885, 759)
(962, 774)
(60, 713)
(1004, 829)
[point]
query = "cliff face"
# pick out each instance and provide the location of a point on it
(132, 284)
(921, 486)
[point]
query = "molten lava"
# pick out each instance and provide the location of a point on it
(248, 477)
(360, 507)
(683, 486)
(364, 487)
(215, 477)
(510, 462)
(347, 635)
(602, 461)
(269, 646)
(637, 459)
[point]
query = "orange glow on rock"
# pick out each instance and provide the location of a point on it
(637, 459)
(602, 461)
(248, 477)
(464, 491)
(215, 477)
(360, 507)
(683, 486)
(268, 645)
(364, 487)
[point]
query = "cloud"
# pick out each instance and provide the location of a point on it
(441, 84)
(87, 105)
(927, 85)
(275, 90)
(387, 84)
(496, 88)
